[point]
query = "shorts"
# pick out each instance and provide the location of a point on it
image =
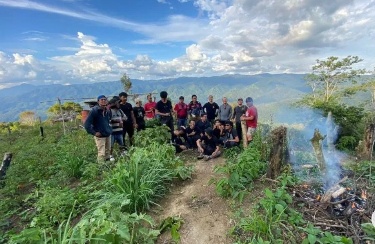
(251, 131)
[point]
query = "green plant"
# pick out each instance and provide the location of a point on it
(173, 223)
(158, 134)
(316, 235)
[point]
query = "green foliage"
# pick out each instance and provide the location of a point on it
(126, 82)
(365, 169)
(158, 134)
(240, 173)
(151, 123)
(369, 230)
(316, 235)
(67, 107)
(174, 224)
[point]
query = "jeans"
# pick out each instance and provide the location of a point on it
(117, 138)
(181, 122)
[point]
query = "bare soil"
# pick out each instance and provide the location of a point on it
(206, 215)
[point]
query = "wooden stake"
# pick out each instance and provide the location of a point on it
(244, 133)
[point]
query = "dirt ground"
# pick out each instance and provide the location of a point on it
(206, 215)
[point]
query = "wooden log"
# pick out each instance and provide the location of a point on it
(279, 152)
(334, 191)
(365, 147)
(5, 164)
(244, 133)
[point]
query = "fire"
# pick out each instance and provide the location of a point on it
(318, 197)
(364, 194)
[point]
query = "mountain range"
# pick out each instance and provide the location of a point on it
(269, 91)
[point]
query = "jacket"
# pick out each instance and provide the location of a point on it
(98, 120)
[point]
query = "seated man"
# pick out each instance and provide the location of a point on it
(203, 124)
(193, 134)
(179, 140)
(210, 148)
(231, 138)
(219, 131)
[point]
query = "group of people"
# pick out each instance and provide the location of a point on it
(204, 128)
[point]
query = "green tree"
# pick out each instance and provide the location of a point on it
(126, 82)
(68, 108)
(329, 78)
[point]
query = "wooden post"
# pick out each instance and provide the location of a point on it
(365, 148)
(279, 152)
(5, 165)
(316, 142)
(244, 133)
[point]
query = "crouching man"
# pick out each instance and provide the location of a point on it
(98, 125)
(208, 145)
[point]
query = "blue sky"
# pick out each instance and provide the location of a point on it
(80, 41)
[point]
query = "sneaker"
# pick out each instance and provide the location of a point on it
(200, 156)
(111, 158)
(206, 157)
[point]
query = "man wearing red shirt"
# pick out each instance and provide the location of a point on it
(251, 118)
(181, 110)
(150, 108)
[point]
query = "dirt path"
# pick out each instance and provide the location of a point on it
(205, 214)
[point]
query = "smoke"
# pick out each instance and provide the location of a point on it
(301, 124)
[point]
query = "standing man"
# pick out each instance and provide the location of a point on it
(194, 108)
(181, 110)
(238, 111)
(130, 123)
(164, 110)
(251, 118)
(150, 107)
(139, 114)
(97, 124)
(225, 110)
(117, 120)
(211, 109)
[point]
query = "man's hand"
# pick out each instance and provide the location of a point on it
(135, 126)
(200, 150)
(98, 134)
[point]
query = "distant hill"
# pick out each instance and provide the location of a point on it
(266, 89)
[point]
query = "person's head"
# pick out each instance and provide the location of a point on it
(222, 124)
(204, 117)
(225, 101)
(138, 102)
(149, 97)
(181, 99)
(228, 125)
(210, 98)
(192, 123)
(217, 123)
(102, 101)
(249, 101)
(179, 131)
(194, 98)
(114, 103)
(123, 97)
(163, 95)
(208, 132)
(240, 101)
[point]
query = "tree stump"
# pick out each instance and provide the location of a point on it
(365, 148)
(279, 152)
(244, 133)
(5, 165)
(316, 142)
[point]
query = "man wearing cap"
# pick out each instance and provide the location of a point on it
(98, 125)
(130, 123)
(181, 110)
(211, 109)
(210, 148)
(164, 110)
(251, 118)
(238, 111)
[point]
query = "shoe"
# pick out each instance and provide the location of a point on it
(200, 156)
(124, 153)
(111, 158)
(206, 157)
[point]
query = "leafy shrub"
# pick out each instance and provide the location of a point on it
(151, 123)
(158, 134)
(240, 173)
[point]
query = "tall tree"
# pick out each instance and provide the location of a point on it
(126, 82)
(329, 77)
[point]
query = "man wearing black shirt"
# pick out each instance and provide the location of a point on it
(131, 123)
(211, 108)
(203, 124)
(164, 110)
(238, 111)
(231, 137)
(139, 114)
(193, 134)
(210, 148)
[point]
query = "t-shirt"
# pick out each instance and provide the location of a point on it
(181, 110)
(190, 130)
(238, 111)
(164, 107)
(252, 111)
(231, 135)
(211, 110)
(139, 114)
(195, 108)
(210, 142)
(117, 115)
(149, 106)
(127, 108)
(203, 125)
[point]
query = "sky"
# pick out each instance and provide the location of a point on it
(84, 41)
